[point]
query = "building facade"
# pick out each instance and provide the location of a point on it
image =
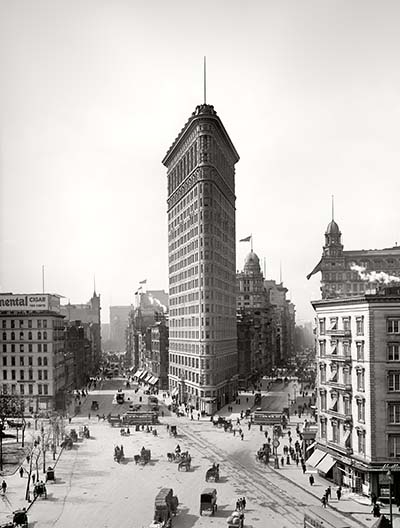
(358, 389)
(32, 349)
(201, 254)
(340, 278)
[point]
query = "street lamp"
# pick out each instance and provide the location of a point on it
(390, 481)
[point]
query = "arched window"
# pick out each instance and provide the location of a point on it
(21, 336)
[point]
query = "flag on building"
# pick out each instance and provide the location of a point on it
(247, 239)
(143, 281)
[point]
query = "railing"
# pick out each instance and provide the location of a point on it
(338, 333)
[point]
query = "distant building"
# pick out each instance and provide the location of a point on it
(201, 254)
(358, 389)
(340, 278)
(88, 314)
(119, 316)
(32, 350)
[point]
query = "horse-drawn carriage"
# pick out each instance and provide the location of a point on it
(118, 454)
(165, 506)
(39, 490)
(67, 443)
(208, 501)
(213, 473)
(74, 435)
(125, 432)
(236, 520)
(172, 431)
(185, 461)
(20, 518)
(144, 456)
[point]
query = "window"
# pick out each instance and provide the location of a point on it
(394, 446)
(30, 336)
(39, 323)
(30, 389)
(394, 413)
(29, 323)
(44, 323)
(39, 335)
(21, 348)
(22, 389)
(12, 323)
(360, 325)
(21, 323)
(21, 361)
(13, 348)
(12, 336)
(4, 323)
(361, 441)
(323, 428)
(45, 375)
(39, 347)
(322, 348)
(39, 361)
(361, 410)
(360, 350)
(45, 361)
(4, 349)
(44, 335)
(30, 361)
(361, 380)
(394, 381)
(335, 432)
(21, 336)
(347, 406)
(333, 323)
(346, 324)
(44, 347)
(393, 353)
(4, 336)
(321, 326)
(30, 374)
(393, 326)
(4, 374)
(45, 389)
(4, 361)
(323, 400)
(13, 361)
(334, 347)
(39, 374)
(21, 374)
(40, 391)
(30, 348)
(13, 375)
(323, 373)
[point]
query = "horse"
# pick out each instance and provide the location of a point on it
(171, 457)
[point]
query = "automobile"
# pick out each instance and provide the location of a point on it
(134, 406)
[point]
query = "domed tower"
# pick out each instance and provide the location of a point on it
(333, 240)
(252, 264)
(250, 283)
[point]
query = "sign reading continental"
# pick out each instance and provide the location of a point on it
(29, 302)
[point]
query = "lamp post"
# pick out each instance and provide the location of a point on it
(43, 450)
(390, 481)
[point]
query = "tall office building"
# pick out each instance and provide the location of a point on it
(201, 249)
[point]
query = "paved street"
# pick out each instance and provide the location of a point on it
(92, 490)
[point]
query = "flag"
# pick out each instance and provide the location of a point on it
(247, 239)
(143, 281)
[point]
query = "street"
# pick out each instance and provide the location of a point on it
(93, 490)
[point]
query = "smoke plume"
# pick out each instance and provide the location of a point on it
(374, 276)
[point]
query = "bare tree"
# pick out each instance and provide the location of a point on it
(11, 410)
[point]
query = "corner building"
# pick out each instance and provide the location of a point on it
(201, 251)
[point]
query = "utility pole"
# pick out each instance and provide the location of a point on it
(43, 450)
(390, 480)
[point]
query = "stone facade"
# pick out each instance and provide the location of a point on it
(358, 388)
(201, 250)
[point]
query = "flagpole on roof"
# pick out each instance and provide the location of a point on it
(251, 243)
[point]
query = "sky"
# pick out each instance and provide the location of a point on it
(93, 93)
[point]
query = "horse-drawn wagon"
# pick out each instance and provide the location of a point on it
(67, 443)
(185, 461)
(208, 501)
(73, 435)
(40, 490)
(213, 473)
(143, 457)
(172, 431)
(165, 506)
(20, 518)
(236, 520)
(118, 454)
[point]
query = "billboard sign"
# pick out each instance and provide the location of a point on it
(29, 302)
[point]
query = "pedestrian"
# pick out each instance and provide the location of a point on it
(282, 461)
(376, 510)
(69, 419)
(28, 458)
(339, 493)
(324, 501)
(89, 416)
(249, 426)
(288, 460)
(373, 498)
(242, 436)
(167, 428)
(238, 505)
(4, 487)
(244, 503)
(311, 480)
(33, 478)
(328, 493)
(21, 471)
(198, 416)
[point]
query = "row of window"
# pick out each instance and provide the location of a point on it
(24, 323)
(23, 360)
(41, 374)
(392, 325)
(31, 348)
(392, 350)
(42, 389)
(22, 335)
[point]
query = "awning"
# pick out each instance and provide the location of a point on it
(147, 377)
(138, 373)
(143, 374)
(311, 446)
(326, 464)
(316, 457)
(153, 380)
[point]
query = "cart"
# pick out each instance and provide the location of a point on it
(208, 501)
